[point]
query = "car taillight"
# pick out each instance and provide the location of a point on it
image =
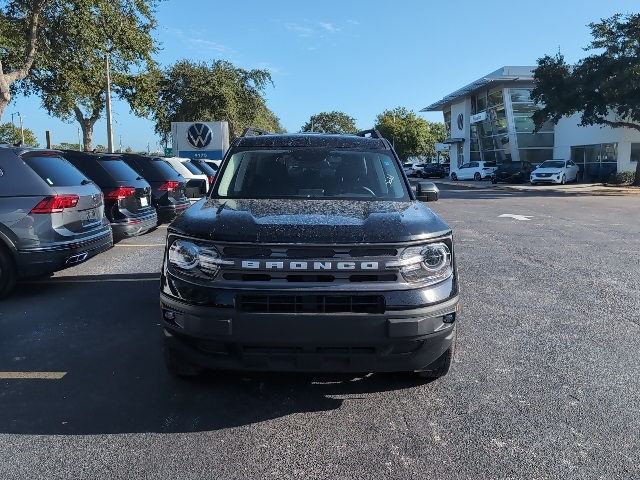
(169, 186)
(211, 179)
(121, 193)
(55, 204)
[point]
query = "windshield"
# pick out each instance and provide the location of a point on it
(311, 172)
(552, 164)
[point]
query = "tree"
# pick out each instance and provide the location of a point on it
(330, 122)
(213, 92)
(19, 26)
(79, 42)
(410, 135)
(9, 133)
(604, 88)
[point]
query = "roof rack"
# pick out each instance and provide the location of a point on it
(373, 133)
(253, 131)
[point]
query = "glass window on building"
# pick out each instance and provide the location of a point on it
(609, 152)
(481, 101)
(635, 152)
(592, 153)
(535, 156)
(495, 98)
(520, 95)
(528, 140)
(447, 122)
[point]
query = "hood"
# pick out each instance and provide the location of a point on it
(309, 221)
(548, 170)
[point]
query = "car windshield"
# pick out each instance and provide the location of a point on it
(552, 164)
(311, 172)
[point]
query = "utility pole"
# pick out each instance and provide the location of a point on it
(108, 105)
(21, 128)
(120, 140)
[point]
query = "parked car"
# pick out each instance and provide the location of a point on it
(477, 170)
(127, 196)
(51, 215)
(512, 172)
(407, 168)
(431, 170)
(168, 188)
(205, 168)
(555, 171)
(196, 181)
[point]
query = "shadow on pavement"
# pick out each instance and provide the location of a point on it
(105, 334)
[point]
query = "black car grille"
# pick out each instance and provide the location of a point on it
(310, 277)
(312, 252)
(310, 303)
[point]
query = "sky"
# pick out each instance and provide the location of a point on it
(356, 57)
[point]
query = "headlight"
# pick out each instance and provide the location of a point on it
(194, 259)
(426, 264)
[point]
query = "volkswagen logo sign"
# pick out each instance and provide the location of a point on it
(199, 135)
(460, 122)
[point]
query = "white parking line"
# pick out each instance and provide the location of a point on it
(32, 375)
(139, 245)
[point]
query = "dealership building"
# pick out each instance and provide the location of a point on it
(490, 119)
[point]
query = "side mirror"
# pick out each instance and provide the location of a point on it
(427, 192)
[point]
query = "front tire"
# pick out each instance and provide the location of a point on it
(477, 177)
(454, 177)
(8, 272)
(563, 180)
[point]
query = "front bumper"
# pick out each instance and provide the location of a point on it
(554, 179)
(405, 336)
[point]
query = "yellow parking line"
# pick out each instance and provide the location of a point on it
(32, 375)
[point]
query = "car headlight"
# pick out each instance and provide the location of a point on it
(194, 259)
(426, 264)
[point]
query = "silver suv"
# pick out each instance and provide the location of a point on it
(51, 215)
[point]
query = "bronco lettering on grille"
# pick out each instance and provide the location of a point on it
(306, 265)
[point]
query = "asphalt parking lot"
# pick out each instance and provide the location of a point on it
(544, 382)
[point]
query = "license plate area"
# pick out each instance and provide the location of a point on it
(143, 201)
(89, 217)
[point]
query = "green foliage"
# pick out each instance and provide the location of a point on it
(604, 88)
(67, 146)
(215, 92)
(9, 133)
(624, 178)
(69, 73)
(330, 122)
(411, 135)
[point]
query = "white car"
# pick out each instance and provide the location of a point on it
(197, 182)
(555, 171)
(473, 171)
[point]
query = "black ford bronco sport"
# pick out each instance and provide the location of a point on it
(310, 253)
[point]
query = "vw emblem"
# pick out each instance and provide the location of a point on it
(460, 122)
(199, 135)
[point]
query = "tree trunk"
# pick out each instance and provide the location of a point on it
(86, 124)
(7, 79)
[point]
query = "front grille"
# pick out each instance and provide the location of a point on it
(310, 277)
(302, 253)
(350, 351)
(310, 303)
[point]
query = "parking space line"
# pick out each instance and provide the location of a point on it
(32, 375)
(139, 245)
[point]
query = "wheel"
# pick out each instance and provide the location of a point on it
(563, 180)
(454, 177)
(441, 366)
(177, 365)
(494, 181)
(419, 174)
(8, 272)
(477, 177)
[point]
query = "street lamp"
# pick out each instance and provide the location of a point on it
(21, 126)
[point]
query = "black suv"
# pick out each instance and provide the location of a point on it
(512, 172)
(431, 170)
(310, 253)
(127, 196)
(168, 188)
(51, 215)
